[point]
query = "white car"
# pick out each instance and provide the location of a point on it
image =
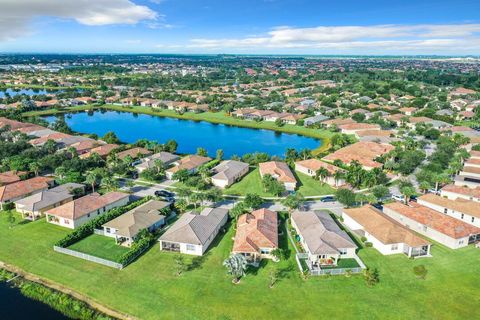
(397, 197)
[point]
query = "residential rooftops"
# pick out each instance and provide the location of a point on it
(460, 205)
(24, 187)
(256, 230)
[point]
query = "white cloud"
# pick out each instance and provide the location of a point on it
(414, 38)
(16, 15)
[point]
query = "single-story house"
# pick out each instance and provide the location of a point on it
(280, 172)
(166, 158)
(352, 128)
(34, 206)
(453, 192)
(384, 233)
(134, 153)
(460, 209)
(189, 163)
(364, 152)
(24, 188)
(313, 120)
(311, 166)
(126, 227)
(103, 150)
(11, 177)
(444, 229)
(193, 232)
(321, 237)
(228, 172)
(257, 235)
(75, 213)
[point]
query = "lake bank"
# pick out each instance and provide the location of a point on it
(211, 117)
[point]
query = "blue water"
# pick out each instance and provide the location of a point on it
(189, 134)
(28, 92)
(15, 306)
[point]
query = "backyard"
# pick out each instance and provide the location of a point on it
(150, 288)
(100, 246)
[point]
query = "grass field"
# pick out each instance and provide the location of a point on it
(100, 246)
(213, 117)
(149, 289)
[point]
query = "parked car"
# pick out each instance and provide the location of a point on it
(397, 197)
(378, 206)
(327, 199)
(164, 194)
(413, 198)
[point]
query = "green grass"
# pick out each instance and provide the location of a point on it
(100, 246)
(311, 187)
(213, 117)
(149, 289)
(344, 263)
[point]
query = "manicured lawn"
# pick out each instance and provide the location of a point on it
(311, 187)
(251, 183)
(149, 289)
(100, 246)
(344, 263)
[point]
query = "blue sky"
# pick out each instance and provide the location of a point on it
(246, 26)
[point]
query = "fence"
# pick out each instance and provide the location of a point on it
(322, 272)
(99, 232)
(88, 257)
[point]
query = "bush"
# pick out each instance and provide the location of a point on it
(368, 244)
(138, 247)
(89, 227)
(8, 206)
(420, 271)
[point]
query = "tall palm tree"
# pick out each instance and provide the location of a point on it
(338, 175)
(236, 266)
(322, 174)
(35, 167)
(91, 178)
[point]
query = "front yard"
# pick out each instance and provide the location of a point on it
(149, 288)
(100, 246)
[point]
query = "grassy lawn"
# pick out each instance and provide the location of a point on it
(311, 187)
(213, 117)
(100, 246)
(149, 289)
(344, 263)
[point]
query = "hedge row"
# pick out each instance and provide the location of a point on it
(88, 228)
(137, 248)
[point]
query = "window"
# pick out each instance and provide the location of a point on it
(88, 215)
(264, 251)
(460, 242)
(108, 230)
(394, 247)
(66, 221)
(461, 216)
(445, 210)
(473, 219)
(343, 251)
(190, 247)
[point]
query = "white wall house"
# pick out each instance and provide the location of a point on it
(463, 210)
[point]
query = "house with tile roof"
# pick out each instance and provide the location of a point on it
(321, 237)
(461, 209)
(228, 172)
(311, 166)
(166, 159)
(134, 153)
(257, 235)
(193, 232)
(103, 150)
(22, 189)
(75, 213)
(453, 192)
(384, 233)
(190, 163)
(437, 226)
(364, 152)
(352, 128)
(125, 228)
(11, 177)
(281, 172)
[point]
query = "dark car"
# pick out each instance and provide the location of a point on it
(379, 206)
(327, 199)
(164, 194)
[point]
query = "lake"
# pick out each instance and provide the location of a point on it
(28, 92)
(15, 306)
(190, 135)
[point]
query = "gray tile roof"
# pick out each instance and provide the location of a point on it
(49, 197)
(229, 169)
(165, 157)
(194, 228)
(321, 233)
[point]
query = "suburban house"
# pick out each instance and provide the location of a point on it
(257, 235)
(126, 227)
(461, 209)
(311, 166)
(11, 177)
(24, 188)
(189, 163)
(444, 229)
(453, 192)
(364, 152)
(193, 232)
(352, 128)
(166, 158)
(314, 120)
(103, 150)
(280, 172)
(321, 237)
(34, 206)
(75, 213)
(134, 153)
(228, 172)
(384, 233)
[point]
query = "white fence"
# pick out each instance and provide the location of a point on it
(332, 271)
(88, 257)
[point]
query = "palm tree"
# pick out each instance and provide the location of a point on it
(60, 173)
(91, 178)
(407, 192)
(338, 175)
(236, 266)
(440, 179)
(109, 183)
(35, 167)
(322, 173)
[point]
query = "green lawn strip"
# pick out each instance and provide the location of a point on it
(149, 289)
(344, 263)
(212, 117)
(99, 246)
(308, 186)
(251, 183)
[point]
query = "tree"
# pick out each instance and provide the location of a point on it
(380, 192)
(424, 186)
(91, 178)
(305, 154)
(322, 174)
(220, 154)
(345, 197)
(35, 167)
(202, 152)
(253, 201)
(293, 201)
(273, 277)
(337, 176)
(171, 146)
(440, 179)
(237, 210)
(371, 277)
(181, 205)
(420, 271)
(180, 265)
(236, 266)
(279, 122)
(181, 175)
(407, 193)
(110, 183)
(10, 218)
(111, 137)
(271, 185)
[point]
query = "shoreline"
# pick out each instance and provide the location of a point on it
(94, 305)
(211, 117)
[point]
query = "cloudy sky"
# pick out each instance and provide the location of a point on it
(245, 26)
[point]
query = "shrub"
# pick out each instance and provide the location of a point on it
(420, 271)
(8, 206)
(138, 247)
(89, 227)
(368, 244)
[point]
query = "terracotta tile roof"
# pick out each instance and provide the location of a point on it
(315, 164)
(419, 119)
(25, 187)
(471, 192)
(435, 220)
(278, 170)
(87, 204)
(384, 228)
(54, 136)
(460, 205)
(189, 162)
(379, 133)
(474, 154)
(338, 122)
(102, 151)
(133, 153)
(363, 151)
(10, 177)
(256, 230)
(359, 126)
(474, 170)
